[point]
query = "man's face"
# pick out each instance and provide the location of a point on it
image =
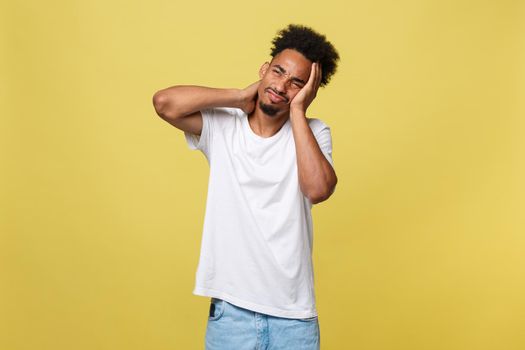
(281, 80)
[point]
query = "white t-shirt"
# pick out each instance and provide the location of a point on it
(256, 249)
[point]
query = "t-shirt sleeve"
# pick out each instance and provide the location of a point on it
(324, 139)
(203, 141)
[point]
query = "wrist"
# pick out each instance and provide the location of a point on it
(240, 97)
(297, 111)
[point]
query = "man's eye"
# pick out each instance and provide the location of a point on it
(276, 71)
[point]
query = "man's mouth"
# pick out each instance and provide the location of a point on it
(275, 98)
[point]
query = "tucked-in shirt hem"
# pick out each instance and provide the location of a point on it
(268, 310)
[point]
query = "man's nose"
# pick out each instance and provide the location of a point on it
(280, 86)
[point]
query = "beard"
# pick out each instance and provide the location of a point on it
(268, 109)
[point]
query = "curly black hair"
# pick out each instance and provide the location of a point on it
(311, 44)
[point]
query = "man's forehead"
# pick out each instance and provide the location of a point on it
(292, 62)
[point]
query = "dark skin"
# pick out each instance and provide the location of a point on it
(287, 87)
(285, 76)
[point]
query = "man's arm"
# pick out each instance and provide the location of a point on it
(317, 177)
(180, 105)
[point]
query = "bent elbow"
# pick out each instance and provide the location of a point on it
(159, 100)
(163, 105)
(319, 197)
(322, 195)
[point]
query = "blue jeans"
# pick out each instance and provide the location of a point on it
(234, 328)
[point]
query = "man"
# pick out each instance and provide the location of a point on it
(269, 164)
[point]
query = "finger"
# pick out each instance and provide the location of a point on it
(253, 85)
(311, 78)
(316, 74)
(319, 74)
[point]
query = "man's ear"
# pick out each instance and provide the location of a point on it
(263, 69)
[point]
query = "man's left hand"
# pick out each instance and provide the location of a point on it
(307, 94)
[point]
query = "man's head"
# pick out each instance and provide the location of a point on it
(294, 50)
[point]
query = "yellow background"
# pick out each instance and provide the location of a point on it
(420, 248)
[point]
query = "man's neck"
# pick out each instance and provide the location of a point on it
(265, 125)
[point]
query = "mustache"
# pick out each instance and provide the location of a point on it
(278, 94)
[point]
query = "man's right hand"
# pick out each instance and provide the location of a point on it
(180, 105)
(249, 97)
